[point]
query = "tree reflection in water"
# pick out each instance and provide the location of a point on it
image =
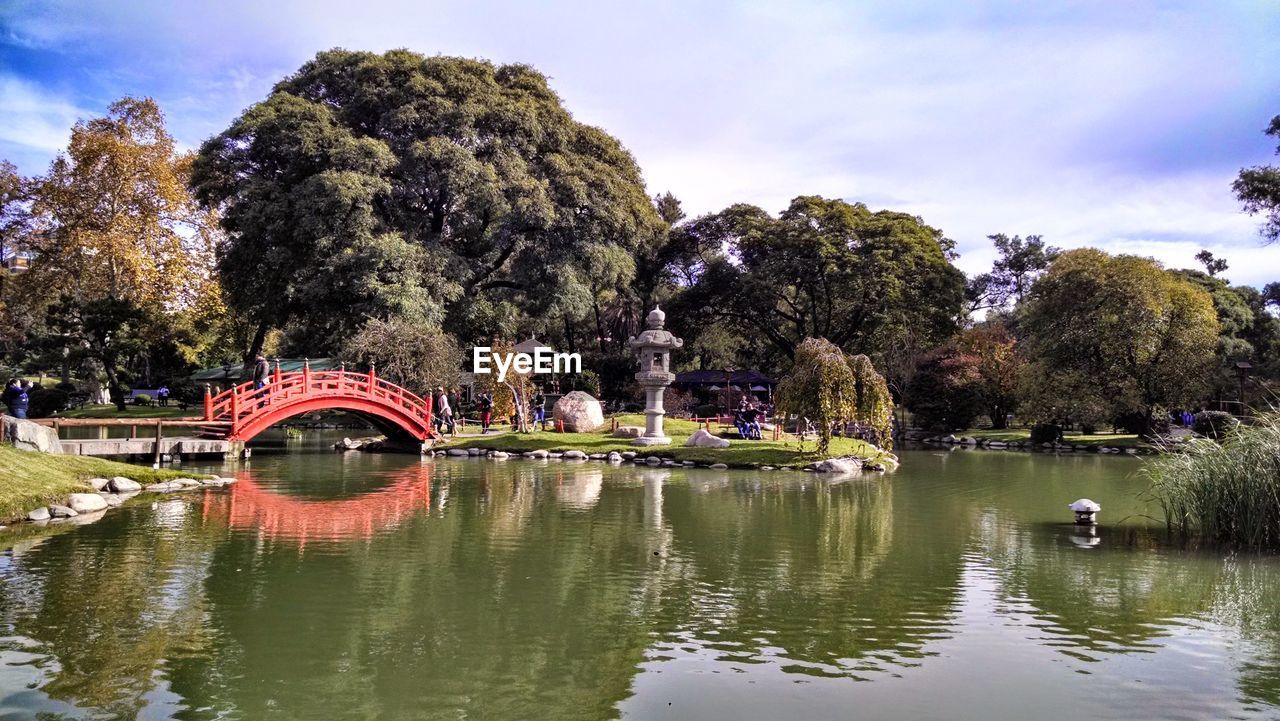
(523, 590)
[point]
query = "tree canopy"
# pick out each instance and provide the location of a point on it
(1258, 190)
(1145, 336)
(823, 268)
(432, 188)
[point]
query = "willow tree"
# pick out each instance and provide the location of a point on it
(873, 404)
(436, 189)
(825, 387)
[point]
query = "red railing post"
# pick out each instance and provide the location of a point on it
(430, 417)
(208, 403)
(275, 379)
(373, 377)
(306, 375)
(342, 375)
(235, 410)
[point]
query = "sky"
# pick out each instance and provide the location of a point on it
(1118, 125)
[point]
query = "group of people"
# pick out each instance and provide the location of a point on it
(17, 397)
(748, 418)
(447, 407)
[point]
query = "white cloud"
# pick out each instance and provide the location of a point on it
(37, 124)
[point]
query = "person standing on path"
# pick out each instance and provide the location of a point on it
(261, 375)
(444, 412)
(486, 411)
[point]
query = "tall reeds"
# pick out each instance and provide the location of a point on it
(1225, 491)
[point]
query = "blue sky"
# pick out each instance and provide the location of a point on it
(1113, 124)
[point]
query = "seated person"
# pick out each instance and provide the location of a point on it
(740, 422)
(751, 418)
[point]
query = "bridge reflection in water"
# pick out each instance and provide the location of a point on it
(280, 516)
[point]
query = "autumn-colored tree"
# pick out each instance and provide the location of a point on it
(119, 238)
(999, 367)
(946, 390)
(1143, 336)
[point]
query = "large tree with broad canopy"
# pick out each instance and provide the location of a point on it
(442, 190)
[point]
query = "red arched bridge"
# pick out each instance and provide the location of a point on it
(242, 412)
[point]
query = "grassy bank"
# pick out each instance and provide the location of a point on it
(1225, 492)
(1021, 435)
(109, 411)
(34, 479)
(786, 452)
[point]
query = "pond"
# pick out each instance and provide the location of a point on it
(326, 586)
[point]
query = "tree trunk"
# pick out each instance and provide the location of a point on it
(999, 419)
(113, 382)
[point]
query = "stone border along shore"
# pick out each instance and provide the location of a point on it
(85, 508)
(994, 445)
(845, 464)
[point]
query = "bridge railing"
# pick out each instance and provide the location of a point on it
(242, 401)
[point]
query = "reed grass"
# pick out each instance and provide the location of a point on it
(1227, 491)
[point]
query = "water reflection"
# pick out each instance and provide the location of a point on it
(339, 586)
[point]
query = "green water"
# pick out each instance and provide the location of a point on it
(353, 586)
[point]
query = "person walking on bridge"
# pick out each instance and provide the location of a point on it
(261, 376)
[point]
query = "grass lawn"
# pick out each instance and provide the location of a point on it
(33, 479)
(109, 411)
(1114, 440)
(786, 452)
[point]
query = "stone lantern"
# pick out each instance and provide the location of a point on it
(653, 347)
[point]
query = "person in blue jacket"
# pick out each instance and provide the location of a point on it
(16, 398)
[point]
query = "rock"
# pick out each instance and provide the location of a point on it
(553, 454)
(120, 484)
(948, 439)
(668, 463)
(226, 480)
(162, 487)
(597, 456)
(500, 455)
(838, 465)
(628, 432)
(113, 500)
(86, 502)
(969, 441)
(614, 457)
(766, 468)
(186, 482)
(653, 460)
(61, 511)
(718, 467)
(536, 454)
(458, 452)
(997, 444)
(39, 514)
(347, 444)
(628, 455)
(870, 466)
(98, 483)
(703, 439)
(29, 436)
(579, 411)
(688, 463)
(474, 451)
(575, 456)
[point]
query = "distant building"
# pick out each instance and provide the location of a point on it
(707, 382)
(16, 261)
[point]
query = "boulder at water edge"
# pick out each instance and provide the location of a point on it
(120, 484)
(29, 436)
(86, 502)
(628, 432)
(580, 412)
(838, 465)
(702, 438)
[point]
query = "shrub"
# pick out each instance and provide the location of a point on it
(706, 410)
(66, 387)
(1213, 424)
(44, 402)
(142, 399)
(1137, 422)
(1046, 433)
